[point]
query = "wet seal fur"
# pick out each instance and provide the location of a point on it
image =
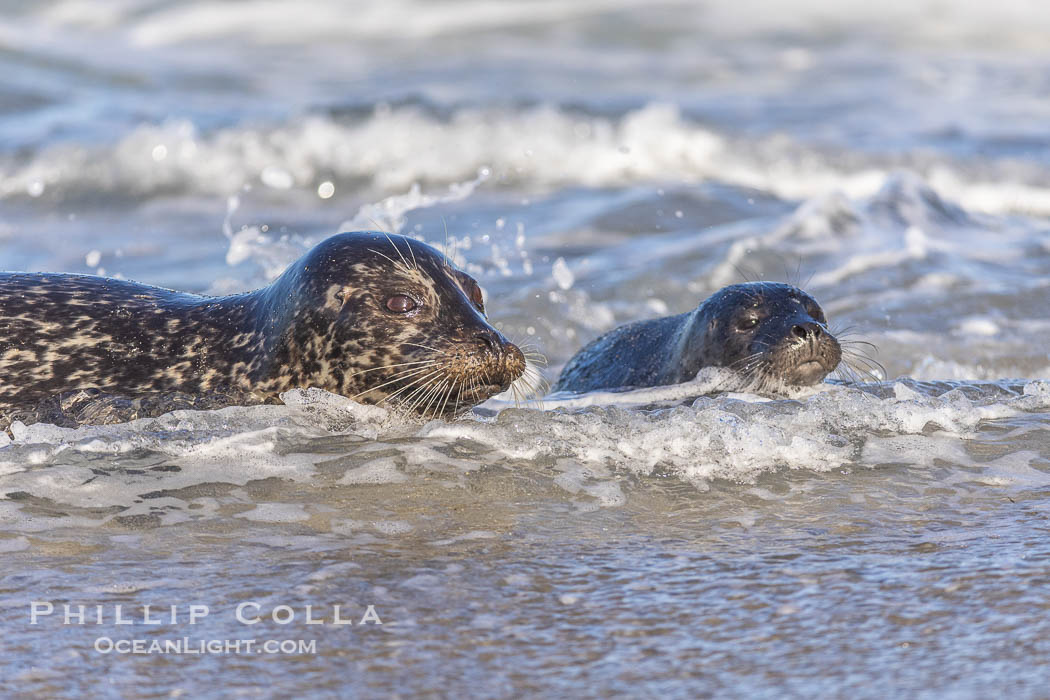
(773, 335)
(375, 317)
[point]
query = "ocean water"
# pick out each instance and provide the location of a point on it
(591, 163)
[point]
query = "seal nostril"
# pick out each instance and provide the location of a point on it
(490, 342)
(810, 331)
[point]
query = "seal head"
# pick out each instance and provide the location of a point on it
(772, 335)
(383, 319)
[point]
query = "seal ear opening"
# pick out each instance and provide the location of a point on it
(343, 295)
(477, 298)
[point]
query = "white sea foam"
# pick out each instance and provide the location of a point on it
(541, 147)
(722, 437)
(731, 438)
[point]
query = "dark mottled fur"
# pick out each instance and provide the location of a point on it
(788, 345)
(322, 323)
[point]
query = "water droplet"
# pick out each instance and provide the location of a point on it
(563, 276)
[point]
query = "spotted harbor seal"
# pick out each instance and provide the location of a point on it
(375, 317)
(773, 335)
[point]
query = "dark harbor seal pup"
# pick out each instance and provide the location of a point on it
(379, 318)
(773, 335)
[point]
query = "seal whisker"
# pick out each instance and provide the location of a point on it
(532, 383)
(535, 357)
(529, 385)
(399, 364)
(535, 373)
(872, 346)
(471, 388)
(397, 250)
(524, 343)
(856, 356)
(869, 368)
(423, 383)
(747, 278)
(462, 388)
(391, 397)
(426, 347)
(854, 367)
(428, 399)
(402, 377)
(409, 371)
(845, 335)
(744, 360)
(752, 368)
(433, 394)
(412, 252)
(393, 262)
(851, 373)
(752, 373)
(756, 372)
(846, 373)
(438, 393)
(473, 385)
(445, 250)
(455, 397)
(455, 406)
(379, 227)
(405, 375)
(448, 394)
(408, 402)
(414, 399)
(870, 361)
(749, 366)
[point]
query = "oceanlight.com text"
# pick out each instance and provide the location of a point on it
(186, 645)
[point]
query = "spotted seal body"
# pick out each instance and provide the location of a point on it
(774, 335)
(366, 315)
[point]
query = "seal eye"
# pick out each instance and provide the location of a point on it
(401, 303)
(746, 324)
